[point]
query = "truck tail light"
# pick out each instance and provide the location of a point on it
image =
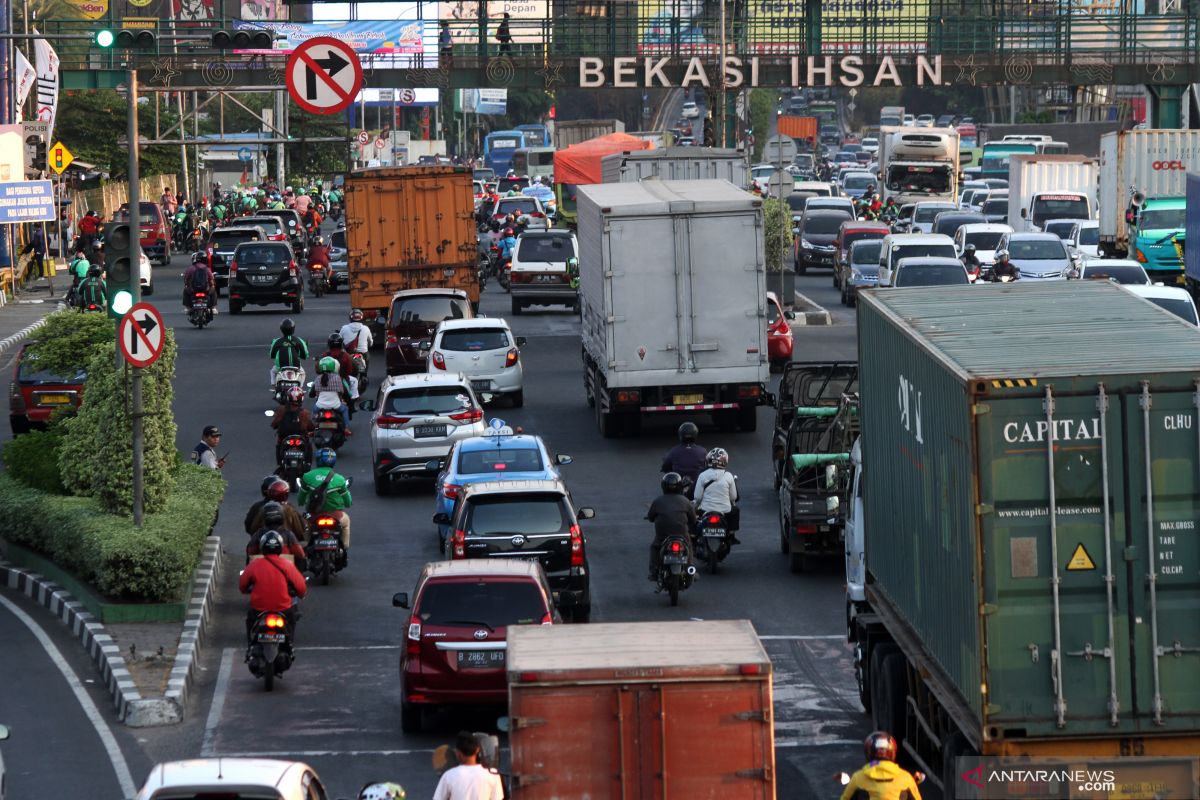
(451, 490)
(459, 544)
(629, 396)
(438, 359)
(388, 421)
(806, 530)
(576, 546)
(513, 356)
(471, 415)
(752, 390)
(414, 635)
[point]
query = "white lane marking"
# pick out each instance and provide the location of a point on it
(218, 702)
(798, 638)
(115, 756)
(295, 754)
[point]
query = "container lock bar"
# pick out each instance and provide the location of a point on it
(1114, 704)
(1060, 704)
(1088, 653)
(1145, 402)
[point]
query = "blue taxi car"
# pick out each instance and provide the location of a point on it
(499, 454)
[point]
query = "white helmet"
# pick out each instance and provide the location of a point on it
(382, 791)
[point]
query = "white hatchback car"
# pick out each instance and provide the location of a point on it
(233, 777)
(1169, 298)
(485, 351)
(690, 110)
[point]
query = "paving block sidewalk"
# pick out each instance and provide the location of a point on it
(29, 306)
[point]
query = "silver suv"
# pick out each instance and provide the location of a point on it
(417, 419)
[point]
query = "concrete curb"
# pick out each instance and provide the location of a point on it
(91, 634)
(132, 709)
(809, 313)
(25, 332)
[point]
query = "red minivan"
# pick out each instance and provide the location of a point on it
(156, 231)
(35, 394)
(455, 641)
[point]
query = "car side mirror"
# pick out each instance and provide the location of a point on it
(434, 465)
(832, 506)
(789, 314)
(400, 600)
(1024, 213)
(562, 460)
(441, 518)
(831, 476)
(586, 512)
(521, 340)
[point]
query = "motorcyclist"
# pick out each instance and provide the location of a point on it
(1003, 267)
(199, 278)
(971, 261)
(79, 269)
(269, 492)
(271, 582)
(288, 350)
(331, 391)
(672, 514)
(716, 490)
(318, 255)
(336, 349)
(273, 518)
(881, 778)
(687, 457)
(292, 519)
(356, 335)
(93, 290)
(293, 419)
(89, 228)
(312, 221)
(507, 244)
(337, 492)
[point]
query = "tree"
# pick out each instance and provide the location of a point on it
(762, 106)
(777, 230)
(96, 123)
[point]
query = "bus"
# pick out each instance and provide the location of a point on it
(996, 156)
(498, 149)
(1052, 148)
(533, 161)
(535, 135)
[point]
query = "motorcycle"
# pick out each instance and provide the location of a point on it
(294, 460)
(676, 570)
(324, 551)
(359, 363)
(713, 539)
(331, 431)
(504, 273)
(270, 652)
(318, 279)
(286, 378)
(200, 314)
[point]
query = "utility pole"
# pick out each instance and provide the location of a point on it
(135, 258)
(280, 147)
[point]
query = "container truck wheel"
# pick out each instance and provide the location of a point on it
(954, 746)
(860, 677)
(605, 423)
(894, 691)
(874, 681)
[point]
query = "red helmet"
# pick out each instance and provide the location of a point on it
(880, 746)
(279, 493)
(508, 231)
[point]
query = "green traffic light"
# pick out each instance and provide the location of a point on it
(121, 303)
(105, 38)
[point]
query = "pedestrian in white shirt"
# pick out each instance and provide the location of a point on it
(470, 780)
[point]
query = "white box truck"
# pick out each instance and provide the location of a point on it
(678, 164)
(672, 285)
(1151, 163)
(917, 164)
(1044, 187)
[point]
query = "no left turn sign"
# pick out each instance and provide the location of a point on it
(324, 75)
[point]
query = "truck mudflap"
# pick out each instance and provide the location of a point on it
(1107, 628)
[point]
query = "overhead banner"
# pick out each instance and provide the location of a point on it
(526, 23)
(667, 26)
(847, 26)
(47, 78)
(90, 9)
(371, 37)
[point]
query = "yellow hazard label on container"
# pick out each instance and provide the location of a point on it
(1080, 559)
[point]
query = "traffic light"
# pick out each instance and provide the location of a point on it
(122, 276)
(39, 155)
(710, 138)
(243, 39)
(126, 39)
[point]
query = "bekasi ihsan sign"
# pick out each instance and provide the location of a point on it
(634, 72)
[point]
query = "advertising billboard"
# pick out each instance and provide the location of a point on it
(527, 19)
(847, 26)
(369, 37)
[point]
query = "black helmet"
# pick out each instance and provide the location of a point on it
(880, 746)
(673, 483)
(335, 341)
(94, 271)
(688, 432)
(271, 543)
(272, 514)
(287, 327)
(266, 483)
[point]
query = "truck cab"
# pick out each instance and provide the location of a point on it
(1153, 228)
(1045, 206)
(919, 165)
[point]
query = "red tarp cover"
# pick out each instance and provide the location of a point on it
(580, 163)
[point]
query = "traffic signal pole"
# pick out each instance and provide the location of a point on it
(135, 251)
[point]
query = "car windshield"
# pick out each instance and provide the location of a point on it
(545, 248)
(866, 252)
(856, 182)
(271, 226)
(1179, 307)
(507, 184)
(1036, 249)
(914, 250)
(823, 224)
(796, 200)
(1060, 229)
(473, 340)
(1161, 219)
(427, 400)
(338, 239)
(230, 239)
(762, 172)
(28, 373)
(477, 462)
(425, 310)
(535, 515)
(850, 237)
(492, 603)
(983, 240)
(516, 205)
(927, 213)
(264, 254)
(1089, 236)
(1120, 273)
(931, 275)
(148, 215)
(994, 207)
(1060, 207)
(911, 178)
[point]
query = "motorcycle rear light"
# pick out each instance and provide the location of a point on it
(511, 359)
(414, 635)
(547, 619)
(629, 396)
(676, 547)
(388, 421)
(474, 415)
(459, 541)
(576, 547)
(438, 359)
(806, 529)
(749, 391)
(714, 519)
(451, 490)
(274, 621)
(326, 415)
(294, 441)
(326, 522)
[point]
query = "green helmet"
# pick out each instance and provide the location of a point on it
(327, 364)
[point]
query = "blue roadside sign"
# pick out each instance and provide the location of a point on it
(27, 201)
(245, 154)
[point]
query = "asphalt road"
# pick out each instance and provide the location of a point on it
(338, 707)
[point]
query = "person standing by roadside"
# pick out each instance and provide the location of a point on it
(204, 453)
(470, 780)
(39, 266)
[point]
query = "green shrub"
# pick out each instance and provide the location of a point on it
(33, 460)
(150, 564)
(777, 233)
(68, 340)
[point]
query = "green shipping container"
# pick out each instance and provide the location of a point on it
(1031, 502)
